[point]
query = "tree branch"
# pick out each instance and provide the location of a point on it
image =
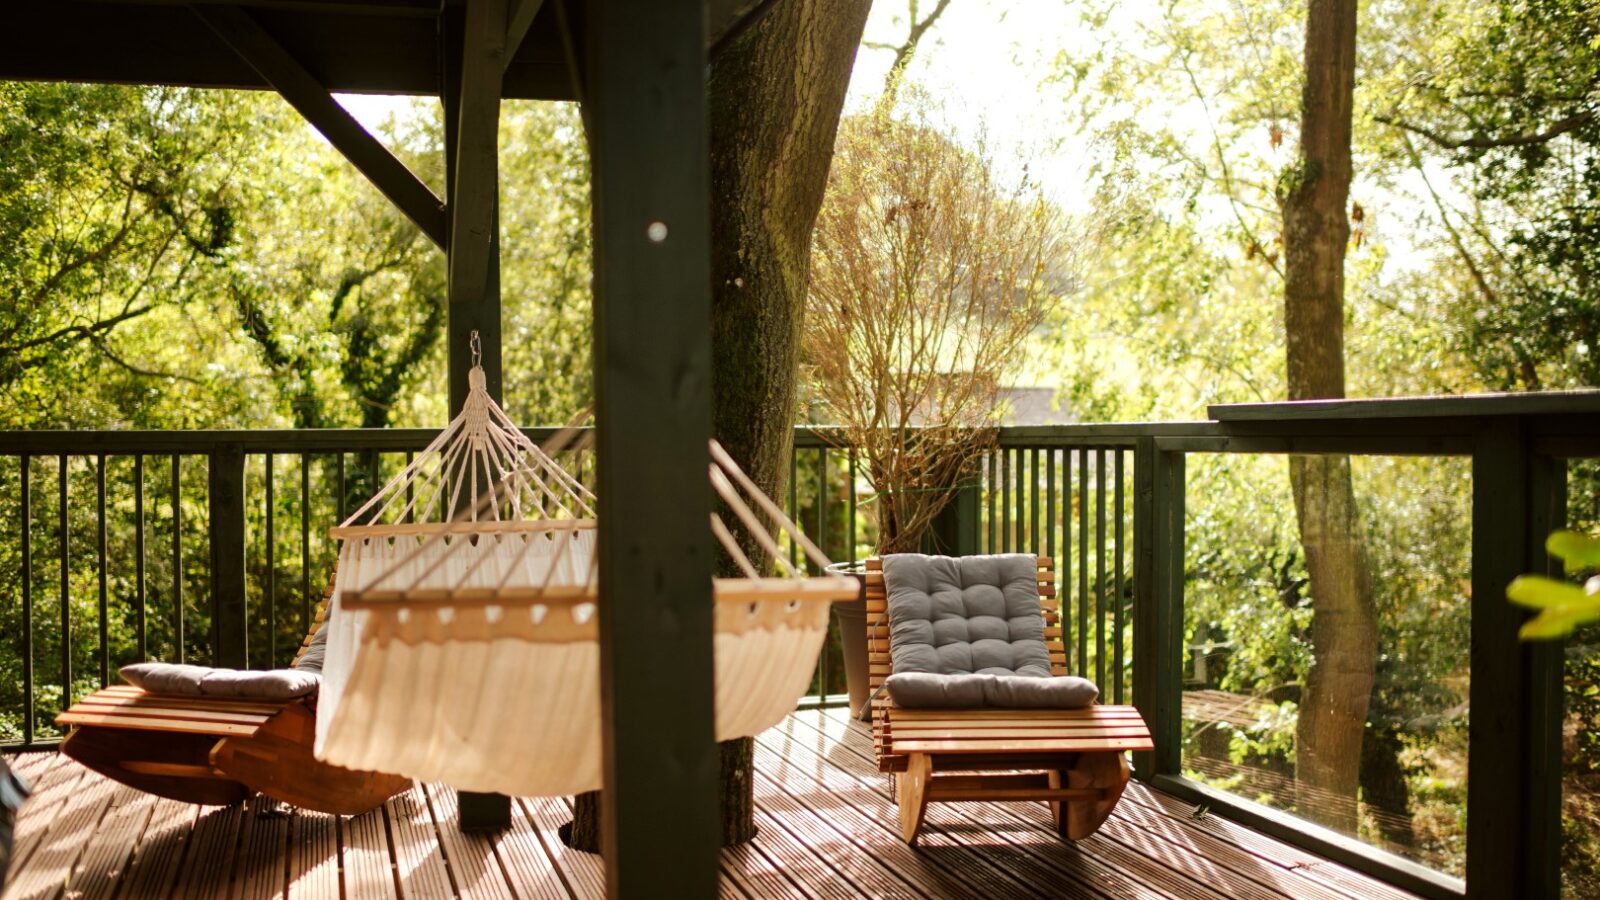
(1484, 142)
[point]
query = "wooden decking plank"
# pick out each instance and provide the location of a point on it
(56, 853)
(828, 829)
(364, 856)
(209, 869)
(262, 869)
(867, 791)
(1280, 880)
(161, 850)
(1263, 847)
(1113, 872)
(583, 873)
(865, 871)
(416, 846)
(474, 867)
(946, 838)
(313, 856)
(110, 852)
(528, 866)
(1348, 883)
(52, 795)
(759, 876)
(872, 834)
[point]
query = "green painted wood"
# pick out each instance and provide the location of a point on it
(240, 30)
(227, 508)
(382, 49)
(649, 147)
(472, 87)
(1517, 404)
(1513, 800)
(519, 20)
(1158, 506)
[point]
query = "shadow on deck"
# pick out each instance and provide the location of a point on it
(828, 829)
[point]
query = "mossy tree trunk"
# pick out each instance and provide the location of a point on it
(775, 98)
(1316, 228)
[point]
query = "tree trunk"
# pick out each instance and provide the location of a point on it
(1316, 231)
(775, 98)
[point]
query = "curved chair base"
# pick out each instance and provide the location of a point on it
(216, 758)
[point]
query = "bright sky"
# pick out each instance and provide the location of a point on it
(985, 60)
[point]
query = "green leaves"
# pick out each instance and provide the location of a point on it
(1562, 605)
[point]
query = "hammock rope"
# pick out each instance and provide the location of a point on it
(463, 637)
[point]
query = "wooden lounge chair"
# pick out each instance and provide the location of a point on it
(218, 751)
(1076, 759)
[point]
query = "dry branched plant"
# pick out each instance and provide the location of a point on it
(928, 273)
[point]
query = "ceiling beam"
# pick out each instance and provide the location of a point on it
(519, 19)
(239, 30)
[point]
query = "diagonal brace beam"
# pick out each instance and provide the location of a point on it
(240, 31)
(519, 19)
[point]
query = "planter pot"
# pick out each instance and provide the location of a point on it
(853, 639)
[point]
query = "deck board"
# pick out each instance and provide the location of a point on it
(828, 831)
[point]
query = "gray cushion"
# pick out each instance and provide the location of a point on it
(923, 690)
(311, 660)
(203, 681)
(972, 614)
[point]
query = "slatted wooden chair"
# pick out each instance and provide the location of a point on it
(218, 751)
(1076, 759)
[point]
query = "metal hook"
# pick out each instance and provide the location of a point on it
(477, 349)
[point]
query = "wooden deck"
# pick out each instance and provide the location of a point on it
(828, 830)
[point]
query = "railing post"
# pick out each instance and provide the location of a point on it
(954, 531)
(1158, 514)
(1514, 732)
(226, 490)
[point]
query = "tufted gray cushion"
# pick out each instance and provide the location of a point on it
(203, 681)
(920, 690)
(966, 632)
(972, 614)
(316, 653)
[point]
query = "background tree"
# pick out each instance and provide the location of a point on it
(928, 275)
(1315, 192)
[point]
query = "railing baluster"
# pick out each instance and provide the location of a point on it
(177, 560)
(1083, 559)
(271, 587)
(794, 500)
(993, 486)
(1116, 609)
(1064, 573)
(1050, 503)
(1033, 500)
(339, 467)
(66, 594)
(138, 557)
(27, 599)
(1100, 462)
(851, 481)
(1005, 500)
(305, 541)
(411, 483)
(822, 504)
(100, 546)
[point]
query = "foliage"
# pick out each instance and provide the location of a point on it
(1562, 606)
(928, 273)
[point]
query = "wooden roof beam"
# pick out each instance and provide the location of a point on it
(519, 19)
(240, 31)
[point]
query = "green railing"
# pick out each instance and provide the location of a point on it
(211, 547)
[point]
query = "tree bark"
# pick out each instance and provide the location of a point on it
(775, 98)
(1316, 229)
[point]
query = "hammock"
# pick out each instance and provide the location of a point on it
(463, 646)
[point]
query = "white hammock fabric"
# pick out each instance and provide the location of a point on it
(465, 650)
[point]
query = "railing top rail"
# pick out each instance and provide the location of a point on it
(264, 440)
(1583, 402)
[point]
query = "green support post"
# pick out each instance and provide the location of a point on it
(1158, 526)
